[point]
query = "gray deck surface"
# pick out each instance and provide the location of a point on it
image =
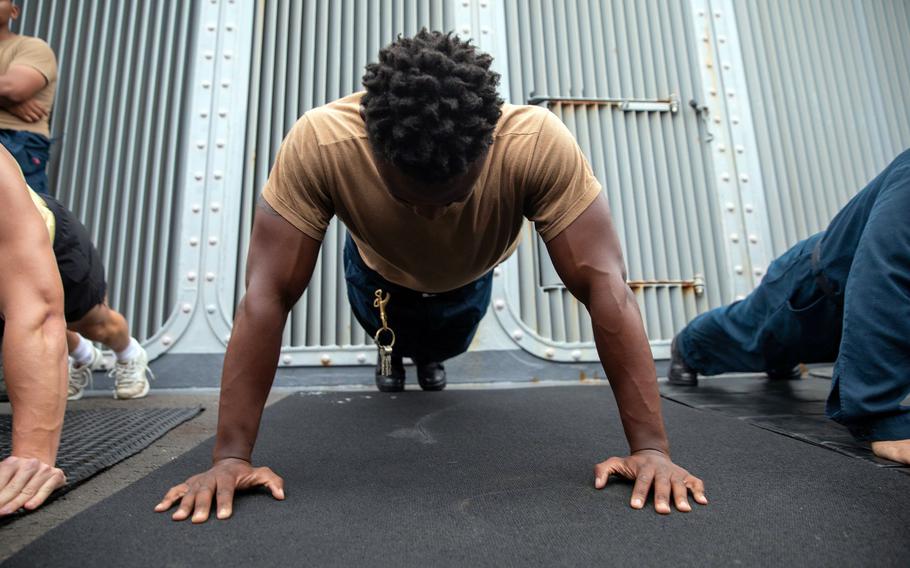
(790, 408)
(500, 477)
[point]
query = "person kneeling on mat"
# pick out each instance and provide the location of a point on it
(841, 294)
(433, 177)
(34, 345)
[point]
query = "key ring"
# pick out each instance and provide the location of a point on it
(380, 302)
(379, 331)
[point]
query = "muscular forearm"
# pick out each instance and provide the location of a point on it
(12, 91)
(249, 369)
(9, 92)
(626, 357)
(34, 361)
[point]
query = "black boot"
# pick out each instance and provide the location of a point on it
(431, 376)
(395, 383)
(679, 373)
(793, 374)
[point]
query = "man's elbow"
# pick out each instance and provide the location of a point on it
(53, 329)
(41, 316)
(13, 93)
(258, 303)
(595, 283)
(50, 315)
(18, 89)
(614, 283)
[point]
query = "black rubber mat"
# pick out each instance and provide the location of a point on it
(500, 478)
(791, 408)
(93, 440)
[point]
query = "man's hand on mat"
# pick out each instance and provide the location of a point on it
(26, 482)
(220, 482)
(894, 450)
(651, 467)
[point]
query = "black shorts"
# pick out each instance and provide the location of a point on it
(79, 263)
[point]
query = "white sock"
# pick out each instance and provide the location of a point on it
(131, 351)
(82, 354)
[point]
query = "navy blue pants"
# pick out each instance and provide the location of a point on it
(32, 151)
(842, 294)
(428, 327)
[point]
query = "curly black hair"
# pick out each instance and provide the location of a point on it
(431, 104)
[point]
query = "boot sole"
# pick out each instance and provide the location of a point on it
(679, 382)
(385, 387)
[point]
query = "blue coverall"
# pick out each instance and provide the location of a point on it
(843, 293)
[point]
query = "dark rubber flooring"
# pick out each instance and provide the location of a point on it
(500, 477)
(790, 408)
(94, 440)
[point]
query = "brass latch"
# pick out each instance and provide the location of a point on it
(697, 284)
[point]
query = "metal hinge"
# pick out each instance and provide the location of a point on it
(548, 278)
(703, 113)
(670, 104)
(696, 284)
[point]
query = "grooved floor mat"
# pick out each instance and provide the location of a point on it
(499, 478)
(791, 408)
(93, 440)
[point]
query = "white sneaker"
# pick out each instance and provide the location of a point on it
(105, 362)
(130, 377)
(80, 376)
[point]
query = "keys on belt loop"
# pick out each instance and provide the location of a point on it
(384, 344)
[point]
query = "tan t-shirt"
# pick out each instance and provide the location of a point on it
(41, 205)
(534, 169)
(46, 214)
(35, 53)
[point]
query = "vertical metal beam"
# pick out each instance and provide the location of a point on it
(219, 78)
(757, 234)
(714, 48)
(491, 15)
(225, 163)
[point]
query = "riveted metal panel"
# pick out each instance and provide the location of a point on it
(654, 166)
(119, 132)
(305, 54)
(829, 82)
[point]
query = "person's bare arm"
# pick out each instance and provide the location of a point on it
(29, 111)
(280, 263)
(588, 258)
(34, 346)
(19, 84)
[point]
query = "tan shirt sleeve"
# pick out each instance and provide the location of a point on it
(560, 184)
(297, 187)
(38, 55)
